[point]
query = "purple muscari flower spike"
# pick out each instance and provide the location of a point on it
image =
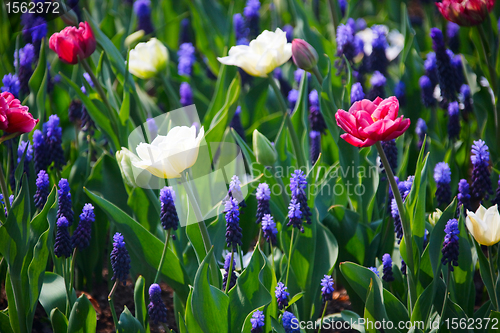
(38, 32)
(269, 229)
(453, 120)
(421, 131)
(236, 123)
(42, 189)
(73, 4)
(297, 75)
(52, 133)
(378, 59)
(360, 24)
(227, 266)
(315, 117)
(293, 96)
(464, 196)
(315, 138)
(327, 288)
(156, 308)
(75, 110)
(431, 68)
(257, 321)
(398, 227)
(452, 33)
(403, 267)
(298, 183)
(185, 33)
(288, 29)
(442, 177)
(64, 201)
(41, 158)
(450, 244)
(23, 60)
(62, 244)
(252, 16)
(28, 157)
(427, 91)
(120, 259)
(400, 93)
(295, 215)
(456, 62)
(81, 236)
(186, 59)
(233, 229)
(235, 191)
(186, 94)
(290, 323)
(445, 72)
(281, 295)
(466, 99)
(241, 30)
(142, 9)
(168, 214)
(152, 129)
(346, 43)
(87, 124)
(377, 81)
(387, 262)
(352, 23)
(263, 196)
(357, 93)
(11, 84)
(343, 7)
(391, 152)
(374, 270)
(481, 182)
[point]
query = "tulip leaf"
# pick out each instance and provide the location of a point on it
(83, 318)
(37, 82)
(5, 324)
(128, 323)
(277, 326)
(144, 247)
(139, 301)
(485, 271)
(53, 293)
(58, 321)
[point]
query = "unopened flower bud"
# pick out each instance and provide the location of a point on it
(264, 150)
(304, 55)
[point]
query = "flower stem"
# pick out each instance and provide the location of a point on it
(163, 256)
(322, 317)
(289, 256)
(230, 272)
(5, 191)
(490, 259)
(72, 271)
(240, 253)
(446, 293)
(291, 129)
(316, 73)
(112, 304)
(405, 223)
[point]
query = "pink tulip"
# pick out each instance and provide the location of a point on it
(466, 13)
(15, 117)
(368, 122)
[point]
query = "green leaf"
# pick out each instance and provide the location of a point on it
(83, 318)
(53, 293)
(58, 321)
(436, 237)
(36, 82)
(359, 278)
(128, 323)
(210, 306)
(139, 301)
(495, 322)
(5, 324)
(485, 271)
(146, 247)
(277, 326)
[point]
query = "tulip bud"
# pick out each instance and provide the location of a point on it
(133, 38)
(125, 157)
(264, 150)
(435, 216)
(304, 55)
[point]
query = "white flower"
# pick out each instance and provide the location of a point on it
(130, 174)
(484, 225)
(167, 156)
(395, 41)
(435, 216)
(147, 59)
(268, 51)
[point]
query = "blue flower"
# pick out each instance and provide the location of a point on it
(295, 215)
(292, 97)
(257, 321)
(186, 59)
(421, 131)
(290, 323)
(81, 236)
(52, 134)
(400, 92)
(186, 94)
(38, 30)
(62, 244)
(347, 42)
(120, 259)
(227, 266)
(327, 288)
(466, 99)
(430, 67)
(343, 7)
(315, 138)
(374, 270)
(452, 33)
(442, 176)
(387, 263)
(377, 82)
(481, 182)
(252, 16)
(445, 72)
(357, 93)
(464, 196)
(298, 184)
(288, 29)
(241, 30)
(156, 308)
(263, 196)
(75, 110)
(281, 295)
(378, 60)
(269, 229)
(391, 152)
(185, 33)
(42, 189)
(233, 229)
(450, 244)
(316, 119)
(427, 93)
(142, 9)
(168, 214)
(11, 84)
(64, 201)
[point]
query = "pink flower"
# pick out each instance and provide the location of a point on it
(368, 122)
(466, 13)
(71, 43)
(13, 116)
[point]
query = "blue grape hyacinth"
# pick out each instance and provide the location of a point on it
(281, 295)
(453, 120)
(445, 71)
(81, 236)
(64, 200)
(235, 191)
(142, 9)
(120, 259)
(186, 59)
(24, 59)
(186, 94)
(252, 17)
(290, 323)
(427, 91)
(378, 60)
(421, 131)
(295, 215)
(481, 182)
(257, 321)
(374, 270)
(450, 248)
(327, 288)
(315, 140)
(387, 271)
(168, 213)
(11, 84)
(42, 189)
(431, 68)
(377, 82)
(357, 93)
(233, 229)
(269, 229)
(156, 308)
(52, 134)
(298, 184)
(263, 196)
(453, 36)
(227, 266)
(62, 243)
(241, 30)
(463, 195)
(442, 177)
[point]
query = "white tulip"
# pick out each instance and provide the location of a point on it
(484, 225)
(148, 59)
(168, 156)
(130, 174)
(268, 51)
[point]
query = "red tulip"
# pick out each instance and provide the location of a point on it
(13, 116)
(71, 43)
(466, 13)
(368, 122)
